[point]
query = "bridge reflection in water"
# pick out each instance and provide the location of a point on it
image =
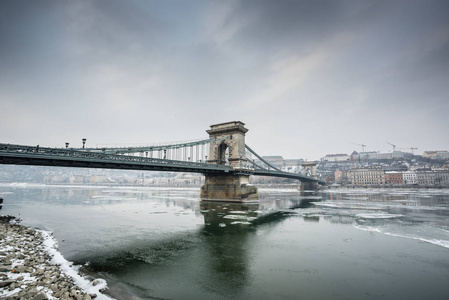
(230, 230)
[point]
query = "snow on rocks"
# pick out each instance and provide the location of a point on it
(32, 268)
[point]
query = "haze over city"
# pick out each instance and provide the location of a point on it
(307, 78)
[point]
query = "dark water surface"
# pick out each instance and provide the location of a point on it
(162, 243)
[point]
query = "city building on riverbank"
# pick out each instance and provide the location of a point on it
(366, 176)
(441, 154)
(393, 177)
(409, 177)
(442, 177)
(425, 177)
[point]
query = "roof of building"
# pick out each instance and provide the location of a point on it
(435, 152)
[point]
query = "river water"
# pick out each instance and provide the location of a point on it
(162, 243)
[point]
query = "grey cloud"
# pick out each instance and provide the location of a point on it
(130, 71)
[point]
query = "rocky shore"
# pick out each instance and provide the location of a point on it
(31, 267)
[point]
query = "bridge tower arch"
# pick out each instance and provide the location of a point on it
(233, 186)
(223, 154)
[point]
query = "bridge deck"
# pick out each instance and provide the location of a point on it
(40, 156)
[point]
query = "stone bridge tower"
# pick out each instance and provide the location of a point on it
(310, 169)
(230, 151)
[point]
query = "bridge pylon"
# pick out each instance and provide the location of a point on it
(231, 151)
(310, 169)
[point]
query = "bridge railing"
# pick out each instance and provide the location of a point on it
(246, 167)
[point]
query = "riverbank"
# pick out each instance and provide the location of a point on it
(32, 268)
(387, 186)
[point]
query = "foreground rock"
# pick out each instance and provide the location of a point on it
(27, 270)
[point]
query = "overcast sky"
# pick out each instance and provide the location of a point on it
(308, 78)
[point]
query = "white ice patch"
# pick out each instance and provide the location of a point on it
(442, 243)
(240, 222)
(18, 184)
(50, 245)
(326, 205)
(7, 248)
(238, 217)
(378, 216)
(350, 205)
(311, 197)
(7, 293)
(6, 193)
(283, 190)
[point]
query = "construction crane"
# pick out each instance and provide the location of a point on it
(394, 146)
(363, 146)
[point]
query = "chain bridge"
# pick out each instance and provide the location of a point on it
(224, 159)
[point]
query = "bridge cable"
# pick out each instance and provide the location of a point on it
(259, 157)
(118, 150)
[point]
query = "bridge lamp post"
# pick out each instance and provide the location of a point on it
(84, 143)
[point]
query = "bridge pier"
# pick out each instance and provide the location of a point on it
(231, 188)
(308, 186)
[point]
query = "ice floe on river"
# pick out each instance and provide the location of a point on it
(438, 242)
(378, 216)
